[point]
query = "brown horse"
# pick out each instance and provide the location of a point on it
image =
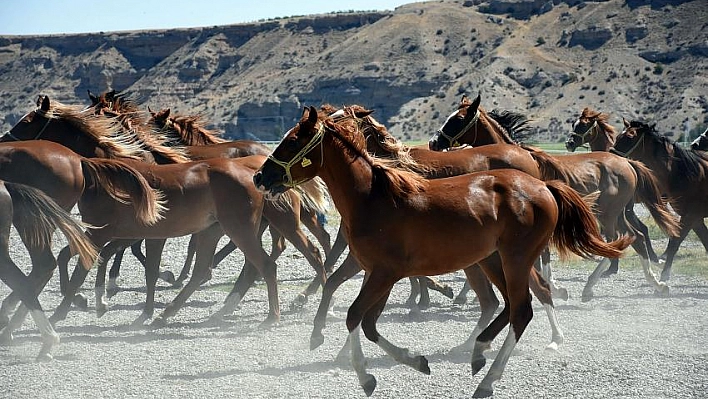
(66, 177)
(396, 222)
(618, 181)
(433, 164)
(202, 197)
(35, 216)
(682, 174)
(593, 129)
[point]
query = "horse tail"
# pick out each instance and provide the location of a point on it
(549, 166)
(649, 194)
(576, 230)
(37, 216)
(126, 185)
(314, 196)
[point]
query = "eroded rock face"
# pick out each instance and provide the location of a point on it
(590, 38)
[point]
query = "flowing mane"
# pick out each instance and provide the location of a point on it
(190, 130)
(601, 118)
(395, 183)
(690, 166)
(513, 126)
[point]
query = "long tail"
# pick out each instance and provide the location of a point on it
(126, 185)
(37, 216)
(649, 194)
(577, 230)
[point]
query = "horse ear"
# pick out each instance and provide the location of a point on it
(652, 127)
(94, 99)
(476, 102)
(465, 101)
(45, 104)
(625, 122)
(363, 112)
(312, 117)
(150, 111)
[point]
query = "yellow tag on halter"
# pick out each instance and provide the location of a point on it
(456, 144)
(305, 162)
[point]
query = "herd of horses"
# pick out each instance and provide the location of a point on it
(472, 199)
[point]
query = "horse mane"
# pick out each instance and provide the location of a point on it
(513, 126)
(396, 184)
(602, 120)
(190, 130)
(106, 132)
(690, 166)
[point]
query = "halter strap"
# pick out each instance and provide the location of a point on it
(587, 133)
(301, 157)
(453, 139)
(634, 147)
(38, 112)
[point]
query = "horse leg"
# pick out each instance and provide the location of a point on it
(205, 246)
(311, 221)
(415, 292)
(340, 244)
(517, 312)
(348, 269)
(228, 248)
(673, 246)
(594, 278)
(187, 262)
(543, 265)
(63, 263)
(113, 274)
(461, 297)
(702, 232)
(153, 255)
(542, 290)
(438, 286)
(637, 225)
(100, 285)
(488, 302)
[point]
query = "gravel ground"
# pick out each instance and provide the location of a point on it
(626, 343)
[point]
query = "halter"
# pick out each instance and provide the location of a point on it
(634, 147)
(38, 112)
(585, 135)
(301, 157)
(453, 139)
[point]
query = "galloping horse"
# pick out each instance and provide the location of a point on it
(592, 128)
(35, 216)
(619, 181)
(65, 177)
(434, 164)
(682, 174)
(396, 222)
(202, 197)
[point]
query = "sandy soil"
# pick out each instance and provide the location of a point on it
(626, 343)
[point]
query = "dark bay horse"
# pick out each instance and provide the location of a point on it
(397, 222)
(206, 197)
(593, 129)
(682, 174)
(617, 180)
(35, 216)
(434, 164)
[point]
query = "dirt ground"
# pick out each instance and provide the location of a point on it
(626, 343)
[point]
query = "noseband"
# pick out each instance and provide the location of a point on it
(37, 112)
(587, 134)
(453, 140)
(301, 157)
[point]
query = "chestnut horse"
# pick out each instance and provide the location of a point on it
(66, 177)
(433, 164)
(682, 174)
(206, 197)
(35, 216)
(592, 129)
(396, 223)
(619, 181)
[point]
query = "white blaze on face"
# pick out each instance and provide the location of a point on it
(287, 133)
(575, 124)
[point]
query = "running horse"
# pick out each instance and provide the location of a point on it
(593, 129)
(682, 174)
(206, 197)
(434, 164)
(396, 222)
(618, 182)
(35, 216)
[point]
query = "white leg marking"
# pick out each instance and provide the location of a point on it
(484, 388)
(557, 337)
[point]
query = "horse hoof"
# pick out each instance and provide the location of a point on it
(369, 384)
(662, 290)
(101, 309)
(478, 365)
(112, 291)
(44, 357)
(316, 340)
(665, 277)
(167, 276)
(423, 365)
(587, 296)
(482, 393)
(159, 322)
(299, 302)
(80, 301)
(268, 323)
(423, 305)
(460, 300)
(552, 347)
(447, 291)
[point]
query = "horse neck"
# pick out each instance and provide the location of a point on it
(487, 132)
(647, 154)
(600, 142)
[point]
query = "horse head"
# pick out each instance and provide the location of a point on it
(456, 125)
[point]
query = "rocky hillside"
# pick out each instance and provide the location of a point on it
(643, 59)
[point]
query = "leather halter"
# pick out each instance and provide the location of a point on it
(301, 158)
(453, 140)
(37, 112)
